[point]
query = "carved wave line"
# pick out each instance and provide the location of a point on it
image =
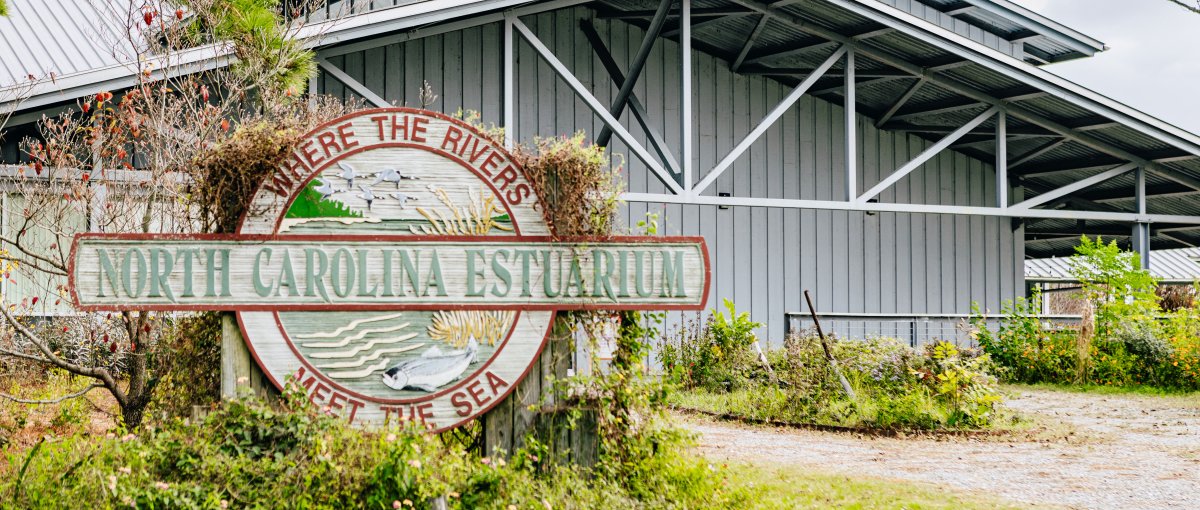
(370, 357)
(359, 336)
(350, 327)
(364, 347)
(359, 373)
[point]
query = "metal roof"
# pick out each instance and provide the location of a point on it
(61, 38)
(1044, 40)
(1180, 265)
(1059, 131)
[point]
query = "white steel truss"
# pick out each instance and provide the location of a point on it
(678, 176)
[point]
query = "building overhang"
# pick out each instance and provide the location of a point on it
(910, 76)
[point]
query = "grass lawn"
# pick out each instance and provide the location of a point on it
(1147, 391)
(786, 487)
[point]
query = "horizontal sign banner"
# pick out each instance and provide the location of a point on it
(114, 272)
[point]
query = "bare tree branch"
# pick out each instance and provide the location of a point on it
(95, 373)
(68, 396)
(1195, 9)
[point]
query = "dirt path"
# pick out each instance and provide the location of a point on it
(1127, 452)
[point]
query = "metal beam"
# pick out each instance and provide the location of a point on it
(705, 23)
(900, 102)
(635, 68)
(1175, 176)
(788, 52)
(586, 95)
(927, 155)
(741, 57)
(761, 70)
(1037, 152)
(804, 49)
(354, 84)
(865, 83)
(635, 105)
(1091, 123)
(838, 205)
(1168, 191)
(955, 105)
(1075, 186)
(1179, 240)
(696, 13)
(974, 139)
(767, 121)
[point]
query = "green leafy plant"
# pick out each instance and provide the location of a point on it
(715, 354)
(247, 454)
(1114, 282)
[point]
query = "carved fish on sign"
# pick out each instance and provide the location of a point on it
(432, 370)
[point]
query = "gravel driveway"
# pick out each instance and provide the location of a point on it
(1126, 452)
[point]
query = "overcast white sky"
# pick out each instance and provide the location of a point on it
(1153, 60)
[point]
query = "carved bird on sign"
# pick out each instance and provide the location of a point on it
(325, 189)
(393, 176)
(349, 173)
(402, 198)
(367, 195)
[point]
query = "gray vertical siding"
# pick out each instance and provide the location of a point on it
(763, 258)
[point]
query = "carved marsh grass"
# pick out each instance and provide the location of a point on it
(456, 327)
(476, 218)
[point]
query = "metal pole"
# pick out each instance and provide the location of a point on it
(825, 346)
(851, 129)
(685, 95)
(635, 67)
(1002, 159)
(510, 108)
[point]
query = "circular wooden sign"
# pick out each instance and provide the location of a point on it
(399, 172)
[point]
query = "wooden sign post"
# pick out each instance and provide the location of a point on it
(397, 266)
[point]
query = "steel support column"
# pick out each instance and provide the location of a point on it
(510, 92)
(849, 107)
(685, 94)
(1002, 160)
(1141, 229)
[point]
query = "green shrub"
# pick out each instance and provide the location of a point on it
(248, 455)
(896, 387)
(1025, 348)
(717, 354)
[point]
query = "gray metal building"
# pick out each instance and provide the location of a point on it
(891, 156)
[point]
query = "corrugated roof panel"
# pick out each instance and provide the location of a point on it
(1176, 265)
(62, 37)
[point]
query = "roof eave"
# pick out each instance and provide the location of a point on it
(1078, 41)
(1023, 71)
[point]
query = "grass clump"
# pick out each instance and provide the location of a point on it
(896, 387)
